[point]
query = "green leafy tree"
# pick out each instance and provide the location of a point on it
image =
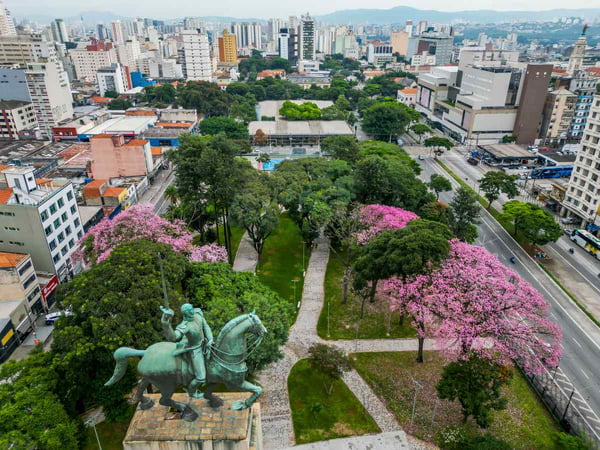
(493, 183)
(114, 304)
(566, 441)
(535, 223)
(389, 181)
(477, 384)
(32, 415)
(508, 139)
(385, 120)
(342, 103)
(420, 129)
(305, 111)
(232, 128)
(341, 147)
(464, 211)
(120, 104)
(330, 361)
(438, 144)
(224, 294)
(171, 194)
(206, 98)
(111, 94)
(388, 151)
(255, 211)
(439, 183)
(402, 252)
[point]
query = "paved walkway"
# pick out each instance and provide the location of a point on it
(278, 430)
(246, 257)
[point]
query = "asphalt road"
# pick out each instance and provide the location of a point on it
(580, 363)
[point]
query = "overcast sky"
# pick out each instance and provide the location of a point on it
(266, 8)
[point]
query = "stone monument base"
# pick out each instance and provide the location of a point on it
(221, 428)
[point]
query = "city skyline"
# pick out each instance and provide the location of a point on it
(268, 9)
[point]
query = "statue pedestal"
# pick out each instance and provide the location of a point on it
(215, 429)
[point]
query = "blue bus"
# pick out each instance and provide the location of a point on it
(552, 172)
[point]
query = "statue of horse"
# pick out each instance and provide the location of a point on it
(227, 364)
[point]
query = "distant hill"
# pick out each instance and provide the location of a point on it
(400, 14)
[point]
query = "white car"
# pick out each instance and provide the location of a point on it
(421, 158)
(53, 317)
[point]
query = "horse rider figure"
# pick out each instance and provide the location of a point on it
(194, 339)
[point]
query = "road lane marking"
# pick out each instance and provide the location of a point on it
(583, 372)
(575, 340)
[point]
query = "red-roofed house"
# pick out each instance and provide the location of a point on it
(408, 96)
(112, 157)
(271, 73)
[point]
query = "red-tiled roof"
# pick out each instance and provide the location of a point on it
(8, 259)
(173, 125)
(103, 100)
(5, 195)
(113, 191)
(136, 142)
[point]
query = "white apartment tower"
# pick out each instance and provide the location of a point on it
(88, 59)
(7, 24)
(59, 31)
(576, 58)
(118, 34)
(111, 78)
(583, 191)
(196, 56)
(40, 217)
(306, 47)
(284, 43)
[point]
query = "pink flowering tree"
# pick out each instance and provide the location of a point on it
(141, 222)
(474, 305)
(380, 218)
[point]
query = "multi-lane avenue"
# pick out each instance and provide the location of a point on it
(580, 363)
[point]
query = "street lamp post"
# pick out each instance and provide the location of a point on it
(303, 246)
(294, 281)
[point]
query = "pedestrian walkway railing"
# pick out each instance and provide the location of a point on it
(567, 405)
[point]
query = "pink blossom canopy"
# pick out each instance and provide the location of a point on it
(141, 222)
(473, 303)
(380, 218)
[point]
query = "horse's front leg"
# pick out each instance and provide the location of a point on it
(248, 387)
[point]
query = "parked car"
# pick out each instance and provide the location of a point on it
(421, 158)
(473, 161)
(568, 232)
(53, 317)
(569, 220)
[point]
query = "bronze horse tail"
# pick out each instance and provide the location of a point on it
(121, 355)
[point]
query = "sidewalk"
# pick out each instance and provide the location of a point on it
(246, 257)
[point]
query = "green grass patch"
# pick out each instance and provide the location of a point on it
(524, 424)
(378, 321)
(318, 416)
(281, 260)
(111, 434)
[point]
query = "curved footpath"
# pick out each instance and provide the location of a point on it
(278, 431)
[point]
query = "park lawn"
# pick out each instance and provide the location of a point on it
(525, 424)
(111, 434)
(281, 260)
(318, 416)
(378, 321)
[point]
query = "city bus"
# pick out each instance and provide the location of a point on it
(552, 172)
(587, 240)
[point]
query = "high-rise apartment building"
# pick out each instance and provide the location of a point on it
(379, 54)
(248, 35)
(59, 31)
(118, 34)
(227, 48)
(102, 32)
(399, 41)
(7, 24)
(89, 58)
(436, 44)
(41, 218)
(283, 43)
(273, 28)
(307, 34)
(583, 193)
(196, 63)
(111, 78)
(532, 96)
(557, 115)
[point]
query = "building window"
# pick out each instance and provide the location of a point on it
(73, 209)
(64, 250)
(30, 280)
(52, 244)
(23, 269)
(72, 243)
(12, 229)
(76, 222)
(48, 230)
(52, 208)
(61, 237)
(20, 244)
(79, 234)
(44, 215)
(56, 223)
(33, 294)
(56, 258)
(69, 195)
(61, 203)
(64, 217)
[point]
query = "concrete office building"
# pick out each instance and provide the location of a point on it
(273, 28)
(25, 48)
(7, 24)
(15, 84)
(379, 54)
(399, 41)
(248, 35)
(118, 34)
(196, 62)
(111, 78)
(306, 47)
(583, 193)
(88, 59)
(436, 44)
(227, 48)
(59, 31)
(584, 86)
(17, 119)
(578, 53)
(41, 218)
(18, 282)
(283, 43)
(469, 56)
(557, 115)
